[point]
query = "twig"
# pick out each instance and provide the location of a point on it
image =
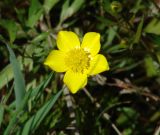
(89, 95)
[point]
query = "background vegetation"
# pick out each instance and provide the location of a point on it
(124, 100)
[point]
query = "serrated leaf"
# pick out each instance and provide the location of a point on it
(40, 37)
(35, 12)
(11, 28)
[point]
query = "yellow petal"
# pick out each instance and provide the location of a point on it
(91, 42)
(98, 64)
(56, 61)
(75, 81)
(67, 40)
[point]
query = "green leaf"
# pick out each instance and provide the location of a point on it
(107, 6)
(68, 11)
(116, 48)
(6, 75)
(35, 12)
(11, 28)
(153, 26)
(158, 56)
(139, 31)
(17, 114)
(40, 37)
(29, 95)
(36, 119)
(19, 84)
(49, 4)
(150, 67)
(137, 6)
(41, 86)
(126, 115)
(1, 113)
(112, 31)
(128, 131)
(155, 39)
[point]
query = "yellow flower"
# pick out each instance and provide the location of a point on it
(78, 61)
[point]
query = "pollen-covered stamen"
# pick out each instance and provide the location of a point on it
(78, 60)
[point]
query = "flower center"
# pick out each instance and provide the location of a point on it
(78, 60)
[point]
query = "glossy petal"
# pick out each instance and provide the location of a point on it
(67, 40)
(75, 81)
(55, 61)
(91, 42)
(98, 64)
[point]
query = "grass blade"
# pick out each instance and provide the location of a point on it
(19, 84)
(36, 119)
(29, 94)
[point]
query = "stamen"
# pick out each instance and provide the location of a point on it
(78, 60)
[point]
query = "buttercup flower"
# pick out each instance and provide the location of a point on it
(78, 61)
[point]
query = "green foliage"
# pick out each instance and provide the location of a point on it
(6, 75)
(68, 10)
(19, 84)
(35, 12)
(49, 4)
(11, 28)
(32, 124)
(124, 100)
(152, 67)
(153, 26)
(139, 31)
